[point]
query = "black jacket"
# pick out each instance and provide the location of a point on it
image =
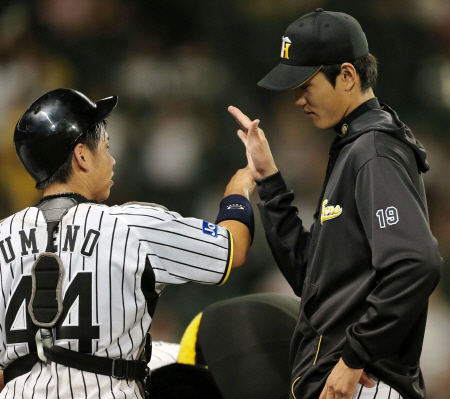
(367, 267)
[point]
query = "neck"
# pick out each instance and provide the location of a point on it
(361, 98)
(70, 187)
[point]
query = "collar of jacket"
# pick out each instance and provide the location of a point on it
(343, 127)
(371, 116)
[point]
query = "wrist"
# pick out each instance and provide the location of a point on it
(239, 190)
(235, 190)
(349, 367)
(237, 207)
(271, 186)
(266, 173)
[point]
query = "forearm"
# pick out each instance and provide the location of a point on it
(236, 215)
(285, 233)
(241, 241)
(396, 307)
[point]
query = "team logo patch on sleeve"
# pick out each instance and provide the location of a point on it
(210, 228)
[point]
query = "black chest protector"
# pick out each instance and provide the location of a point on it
(46, 307)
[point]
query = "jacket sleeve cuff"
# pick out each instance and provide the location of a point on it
(270, 186)
(351, 358)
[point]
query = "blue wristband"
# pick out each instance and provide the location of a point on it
(237, 207)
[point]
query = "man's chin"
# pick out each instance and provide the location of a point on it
(322, 125)
(104, 196)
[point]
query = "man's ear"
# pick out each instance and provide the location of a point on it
(348, 76)
(81, 157)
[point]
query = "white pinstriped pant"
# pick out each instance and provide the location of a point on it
(379, 391)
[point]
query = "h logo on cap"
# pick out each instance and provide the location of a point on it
(285, 47)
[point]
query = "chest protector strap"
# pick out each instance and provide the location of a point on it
(45, 305)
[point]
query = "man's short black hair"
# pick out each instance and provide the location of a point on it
(366, 67)
(90, 139)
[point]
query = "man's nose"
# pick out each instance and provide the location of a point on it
(300, 98)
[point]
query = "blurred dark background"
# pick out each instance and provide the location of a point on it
(176, 66)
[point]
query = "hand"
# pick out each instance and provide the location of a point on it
(241, 183)
(342, 381)
(260, 159)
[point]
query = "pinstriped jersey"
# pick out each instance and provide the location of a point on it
(163, 354)
(117, 261)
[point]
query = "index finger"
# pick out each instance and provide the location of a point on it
(324, 392)
(242, 119)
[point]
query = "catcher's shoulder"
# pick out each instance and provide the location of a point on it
(144, 205)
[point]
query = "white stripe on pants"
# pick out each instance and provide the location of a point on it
(379, 391)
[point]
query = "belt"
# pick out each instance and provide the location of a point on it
(117, 368)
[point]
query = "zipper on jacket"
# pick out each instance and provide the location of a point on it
(333, 155)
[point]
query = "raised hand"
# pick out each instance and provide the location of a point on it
(241, 183)
(259, 156)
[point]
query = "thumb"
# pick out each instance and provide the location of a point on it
(242, 136)
(366, 381)
(253, 129)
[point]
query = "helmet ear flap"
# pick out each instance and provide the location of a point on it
(48, 130)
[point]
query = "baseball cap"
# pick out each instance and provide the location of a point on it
(312, 41)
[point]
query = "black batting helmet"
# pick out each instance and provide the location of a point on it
(49, 129)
